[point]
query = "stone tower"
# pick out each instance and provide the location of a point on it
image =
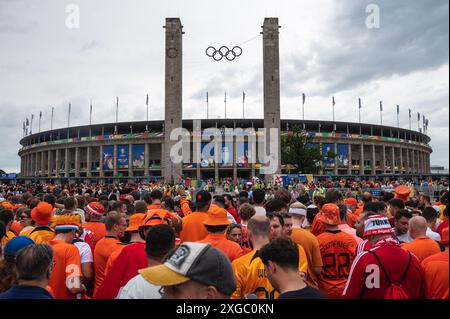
(173, 95)
(271, 65)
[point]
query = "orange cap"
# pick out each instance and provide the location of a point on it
(402, 192)
(136, 221)
(329, 215)
(156, 217)
(42, 213)
(217, 217)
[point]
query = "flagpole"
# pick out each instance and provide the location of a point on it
(225, 104)
(117, 114)
(381, 112)
(243, 105)
(360, 129)
(398, 116)
(40, 118)
(31, 124)
(146, 103)
(410, 119)
(51, 121)
(207, 105)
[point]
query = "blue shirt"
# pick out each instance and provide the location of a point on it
(26, 292)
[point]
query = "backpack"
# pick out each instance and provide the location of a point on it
(395, 290)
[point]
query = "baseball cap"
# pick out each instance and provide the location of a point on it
(217, 217)
(202, 197)
(329, 215)
(14, 245)
(377, 225)
(194, 261)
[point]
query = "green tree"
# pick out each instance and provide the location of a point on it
(295, 151)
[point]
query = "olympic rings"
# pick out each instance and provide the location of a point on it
(224, 52)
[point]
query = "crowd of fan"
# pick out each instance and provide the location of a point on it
(151, 241)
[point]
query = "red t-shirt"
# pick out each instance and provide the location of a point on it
(394, 260)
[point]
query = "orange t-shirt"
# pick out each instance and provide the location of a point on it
(154, 206)
(112, 258)
(8, 236)
(66, 258)
(436, 268)
(422, 247)
(231, 249)
(338, 252)
(310, 244)
(98, 230)
(193, 227)
(104, 248)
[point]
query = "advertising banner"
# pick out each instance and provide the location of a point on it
(138, 155)
(326, 150)
(226, 154)
(108, 157)
(122, 156)
(207, 154)
(242, 150)
(342, 153)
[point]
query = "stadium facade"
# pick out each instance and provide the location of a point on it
(141, 150)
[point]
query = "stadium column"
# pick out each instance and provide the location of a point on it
(102, 173)
(146, 159)
(173, 94)
(89, 161)
(413, 157)
(216, 159)
(322, 170)
(115, 161)
(66, 163)
(384, 159)
(77, 162)
(393, 159)
(336, 162)
(271, 70)
(361, 160)
(58, 162)
(401, 160)
(130, 160)
(349, 169)
(235, 139)
(408, 164)
(374, 160)
(49, 163)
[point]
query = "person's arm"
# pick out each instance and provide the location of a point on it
(184, 203)
(73, 272)
(88, 271)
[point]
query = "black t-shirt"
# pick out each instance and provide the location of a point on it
(305, 293)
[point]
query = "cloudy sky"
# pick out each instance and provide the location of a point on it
(118, 50)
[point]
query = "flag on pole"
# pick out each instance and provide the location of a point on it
(31, 124)
(418, 116)
(68, 120)
(304, 98)
(381, 106)
(333, 101)
(243, 97)
(117, 110)
(207, 97)
(359, 101)
(409, 113)
(51, 120)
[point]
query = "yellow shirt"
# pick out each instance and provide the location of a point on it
(41, 234)
(251, 277)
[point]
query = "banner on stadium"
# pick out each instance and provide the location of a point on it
(207, 154)
(327, 149)
(138, 155)
(108, 157)
(312, 145)
(122, 156)
(242, 151)
(342, 153)
(226, 154)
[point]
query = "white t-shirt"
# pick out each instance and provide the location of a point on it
(85, 252)
(139, 288)
(406, 238)
(260, 211)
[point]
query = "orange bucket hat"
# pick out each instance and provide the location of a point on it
(156, 217)
(329, 215)
(217, 217)
(402, 192)
(42, 213)
(136, 221)
(351, 201)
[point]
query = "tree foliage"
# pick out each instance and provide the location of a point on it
(296, 152)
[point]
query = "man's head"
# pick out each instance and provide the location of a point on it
(115, 224)
(228, 200)
(193, 271)
(402, 218)
(431, 215)
(417, 227)
(259, 196)
(34, 263)
(366, 197)
(156, 195)
(283, 195)
(246, 211)
(70, 203)
(333, 196)
(219, 201)
(234, 233)
(203, 201)
(343, 211)
(377, 207)
(280, 258)
(140, 207)
(395, 205)
(159, 242)
(276, 206)
(359, 224)
(376, 227)
(288, 223)
(351, 203)
(258, 229)
(298, 212)
(276, 225)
